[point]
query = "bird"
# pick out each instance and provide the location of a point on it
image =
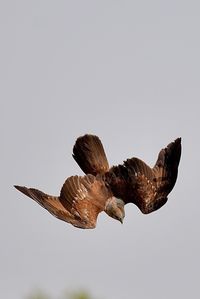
(109, 189)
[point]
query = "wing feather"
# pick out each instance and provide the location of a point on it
(51, 203)
(81, 200)
(166, 167)
(85, 196)
(147, 187)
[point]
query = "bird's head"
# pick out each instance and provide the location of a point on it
(115, 209)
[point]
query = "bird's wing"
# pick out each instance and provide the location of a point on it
(85, 197)
(166, 168)
(89, 153)
(147, 187)
(51, 203)
(80, 201)
(141, 185)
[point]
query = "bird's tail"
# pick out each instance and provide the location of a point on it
(89, 153)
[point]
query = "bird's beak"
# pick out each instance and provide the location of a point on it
(121, 220)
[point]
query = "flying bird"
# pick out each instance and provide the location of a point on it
(108, 189)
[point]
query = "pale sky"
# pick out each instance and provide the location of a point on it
(128, 71)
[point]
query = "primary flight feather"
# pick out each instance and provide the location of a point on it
(107, 189)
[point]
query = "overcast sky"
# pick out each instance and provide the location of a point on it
(128, 71)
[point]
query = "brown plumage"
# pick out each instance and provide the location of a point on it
(89, 153)
(135, 181)
(82, 198)
(148, 188)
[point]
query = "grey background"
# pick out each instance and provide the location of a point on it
(129, 72)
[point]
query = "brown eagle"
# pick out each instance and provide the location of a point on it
(107, 189)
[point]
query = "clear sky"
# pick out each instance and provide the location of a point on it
(128, 71)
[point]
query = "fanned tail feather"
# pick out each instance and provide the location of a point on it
(89, 153)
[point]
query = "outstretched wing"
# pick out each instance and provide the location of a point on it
(51, 203)
(166, 168)
(80, 201)
(147, 187)
(85, 197)
(142, 188)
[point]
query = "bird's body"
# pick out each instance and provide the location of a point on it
(107, 189)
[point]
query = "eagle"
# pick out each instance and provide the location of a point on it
(109, 189)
